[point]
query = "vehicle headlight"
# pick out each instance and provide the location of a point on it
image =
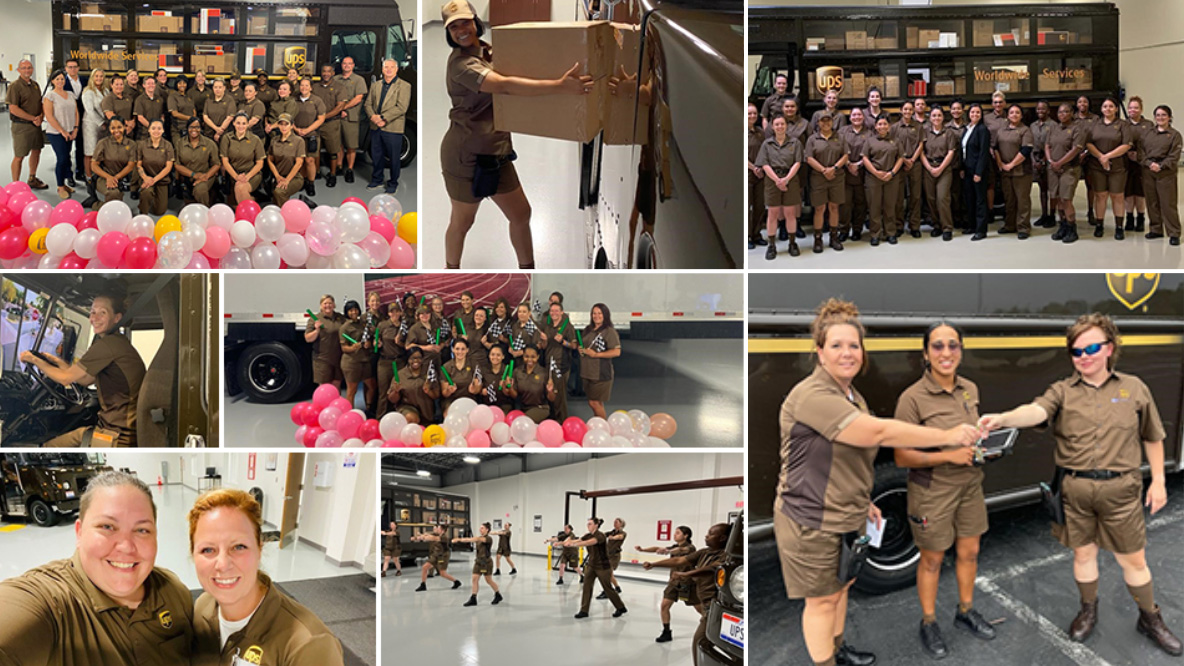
(66, 486)
(736, 584)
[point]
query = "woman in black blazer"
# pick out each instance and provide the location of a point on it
(976, 155)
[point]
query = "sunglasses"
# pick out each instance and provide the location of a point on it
(1088, 350)
(940, 346)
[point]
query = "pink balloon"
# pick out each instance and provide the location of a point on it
(73, 262)
(17, 202)
(198, 261)
(297, 215)
(312, 415)
(369, 430)
(300, 434)
(402, 255)
(498, 415)
(311, 435)
(574, 429)
(478, 439)
(297, 412)
(89, 221)
(341, 404)
(111, 248)
(13, 242)
(513, 415)
(3, 198)
(217, 242)
(328, 418)
(348, 424)
(17, 186)
(324, 394)
(247, 210)
(141, 254)
(550, 433)
(382, 227)
(392, 444)
(68, 212)
(8, 218)
(357, 201)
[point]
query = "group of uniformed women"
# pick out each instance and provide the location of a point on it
(951, 170)
(417, 360)
(110, 604)
(1102, 420)
(252, 134)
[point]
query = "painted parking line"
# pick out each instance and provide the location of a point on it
(12, 528)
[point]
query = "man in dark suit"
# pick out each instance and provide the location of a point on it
(75, 85)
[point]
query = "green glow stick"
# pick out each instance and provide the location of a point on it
(446, 376)
(511, 373)
(563, 326)
(395, 367)
(422, 299)
(505, 371)
(437, 336)
(314, 317)
(462, 326)
(579, 338)
(351, 340)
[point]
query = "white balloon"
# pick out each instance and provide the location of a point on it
(480, 418)
(456, 442)
(569, 445)
(597, 423)
(641, 421)
(637, 439)
(412, 435)
(656, 443)
(270, 225)
(49, 261)
(222, 216)
(351, 257)
(141, 226)
(456, 424)
(597, 438)
(173, 251)
(86, 243)
(377, 248)
(236, 259)
(499, 434)
(60, 239)
(265, 256)
(510, 445)
(324, 214)
(242, 234)
(619, 424)
(374, 444)
(196, 234)
(391, 425)
(293, 249)
(114, 216)
(316, 261)
(353, 443)
(619, 442)
(196, 214)
(323, 238)
(522, 430)
(464, 407)
(353, 222)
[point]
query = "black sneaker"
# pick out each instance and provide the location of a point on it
(455, 584)
(349, 175)
(310, 189)
(1119, 234)
(975, 623)
(978, 237)
(875, 241)
(1152, 235)
(423, 587)
(497, 599)
(580, 615)
(932, 642)
(472, 601)
(513, 571)
(602, 595)
(497, 572)
(559, 582)
(1175, 240)
(620, 611)
(664, 637)
(935, 233)
(915, 233)
(1062, 229)
(846, 656)
(1099, 231)
(331, 180)
(1071, 234)
(1023, 235)
(892, 240)
(947, 235)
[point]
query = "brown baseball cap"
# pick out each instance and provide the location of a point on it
(456, 10)
(285, 118)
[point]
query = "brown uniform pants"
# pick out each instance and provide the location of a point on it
(201, 192)
(910, 182)
(937, 191)
(282, 194)
(606, 583)
(1160, 189)
(559, 405)
(853, 211)
(1017, 197)
(154, 200)
(386, 375)
(538, 414)
(881, 205)
(756, 207)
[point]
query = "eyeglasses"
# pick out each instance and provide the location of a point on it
(1088, 350)
(940, 346)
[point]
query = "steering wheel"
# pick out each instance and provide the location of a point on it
(71, 395)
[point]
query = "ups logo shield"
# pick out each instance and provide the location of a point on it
(1132, 289)
(253, 655)
(166, 619)
(829, 78)
(295, 56)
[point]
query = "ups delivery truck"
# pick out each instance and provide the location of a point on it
(43, 487)
(1014, 349)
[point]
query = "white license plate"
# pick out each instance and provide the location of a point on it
(731, 629)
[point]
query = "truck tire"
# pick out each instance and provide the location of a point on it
(42, 513)
(410, 147)
(269, 372)
(892, 566)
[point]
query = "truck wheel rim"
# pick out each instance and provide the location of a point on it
(268, 373)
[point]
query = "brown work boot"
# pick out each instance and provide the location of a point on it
(1151, 625)
(817, 241)
(36, 183)
(1083, 625)
(835, 243)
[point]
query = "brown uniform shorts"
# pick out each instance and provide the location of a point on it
(330, 132)
(792, 196)
(614, 561)
(598, 390)
(1108, 513)
(355, 372)
(26, 137)
(441, 563)
(823, 191)
(809, 558)
(324, 372)
(685, 592)
(1110, 182)
(504, 552)
(483, 566)
(946, 511)
(461, 189)
(392, 553)
(570, 557)
(1063, 185)
(349, 133)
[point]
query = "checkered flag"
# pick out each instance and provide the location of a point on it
(554, 369)
(529, 327)
(518, 343)
(536, 307)
(403, 328)
(491, 390)
(432, 376)
(495, 329)
(598, 345)
(445, 330)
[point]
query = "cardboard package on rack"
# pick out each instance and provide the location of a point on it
(517, 49)
(856, 40)
(626, 119)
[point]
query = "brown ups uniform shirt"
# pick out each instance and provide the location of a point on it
(883, 153)
(307, 111)
(156, 158)
(389, 350)
(939, 144)
(780, 156)
(472, 110)
(120, 106)
(614, 546)
(219, 111)
(927, 403)
(285, 152)
(254, 109)
(439, 551)
(555, 351)
(1063, 139)
(1162, 148)
(419, 334)
(242, 153)
(597, 559)
(280, 633)
(856, 141)
(796, 127)
(705, 585)
(908, 137)
(826, 151)
(994, 123)
(265, 94)
(598, 369)
(411, 393)
(771, 108)
(199, 159)
(462, 376)
(55, 616)
(330, 94)
(531, 386)
(1137, 131)
(503, 542)
(152, 108)
(354, 86)
(26, 96)
(199, 97)
(824, 485)
(118, 372)
(1008, 142)
(237, 94)
(1109, 137)
(839, 120)
(327, 347)
(1101, 428)
(112, 157)
(356, 330)
(183, 105)
(281, 106)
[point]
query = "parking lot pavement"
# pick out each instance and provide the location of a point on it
(1025, 577)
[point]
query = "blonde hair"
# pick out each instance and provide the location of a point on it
(227, 498)
(90, 83)
(834, 312)
(112, 479)
(1104, 324)
(999, 94)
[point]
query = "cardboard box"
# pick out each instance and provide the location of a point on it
(960, 86)
(172, 25)
(815, 43)
(1052, 38)
(911, 37)
(858, 85)
(848, 91)
(943, 87)
(626, 119)
(835, 43)
(213, 64)
(570, 117)
(984, 33)
(877, 82)
(856, 40)
(892, 87)
(257, 25)
(928, 39)
(885, 43)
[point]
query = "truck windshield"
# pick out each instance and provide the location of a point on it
(47, 459)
